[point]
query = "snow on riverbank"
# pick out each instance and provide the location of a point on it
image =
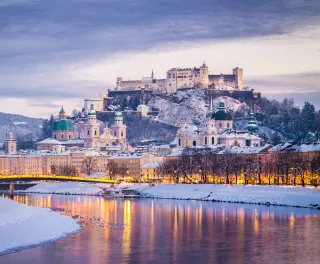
(23, 226)
(274, 195)
(65, 188)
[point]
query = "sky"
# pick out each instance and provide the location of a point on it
(55, 53)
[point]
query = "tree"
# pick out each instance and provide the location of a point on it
(202, 164)
(172, 168)
(89, 165)
(308, 120)
(275, 139)
(47, 127)
(116, 169)
(315, 169)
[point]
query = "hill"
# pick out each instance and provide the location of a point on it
(19, 124)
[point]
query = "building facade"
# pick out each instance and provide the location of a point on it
(179, 78)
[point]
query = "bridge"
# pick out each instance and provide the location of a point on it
(15, 178)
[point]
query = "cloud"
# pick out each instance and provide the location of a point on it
(42, 43)
(298, 83)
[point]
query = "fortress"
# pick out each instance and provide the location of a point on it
(178, 78)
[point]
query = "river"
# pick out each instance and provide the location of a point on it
(175, 231)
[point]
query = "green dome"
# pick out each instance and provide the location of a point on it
(62, 124)
(118, 114)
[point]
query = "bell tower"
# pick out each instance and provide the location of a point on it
(118, 129)
(11, 144)
(91, 130)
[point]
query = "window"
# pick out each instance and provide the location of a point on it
(205, 140)
(212, 140)
(194, 143)
(55, 136)
(88, 133)
(115, 133)
(69, 136)
(121, 133)
(61, 135)
(228, 125)
(248, 142)
(179, 141)
(95, 132)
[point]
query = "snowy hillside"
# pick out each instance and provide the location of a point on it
(190, 105)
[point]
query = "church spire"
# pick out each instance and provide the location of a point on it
(252, 124)
(152, 75)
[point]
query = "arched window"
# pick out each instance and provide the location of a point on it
(194, 143)
(61, 135)
(69, 136)
(55, 136)
(179, 141)
(212, 140)
(220, 125)
(121, 133)
(235, 143)
(115, 133)
(205, 140)
(228, 125)
(95, 132)
(88, 133)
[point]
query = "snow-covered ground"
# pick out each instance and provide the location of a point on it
(23, 226)
(67, 188)
(273, 195)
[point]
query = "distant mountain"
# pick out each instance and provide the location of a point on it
(19, 124)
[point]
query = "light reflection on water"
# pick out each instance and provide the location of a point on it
(170, 231)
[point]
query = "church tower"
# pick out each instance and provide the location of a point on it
(252, 124)
(118, 129)
(11, 144)
(91, 130)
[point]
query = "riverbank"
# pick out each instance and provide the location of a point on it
(251, 194)
(23, 226)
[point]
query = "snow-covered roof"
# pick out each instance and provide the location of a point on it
(128, 156)
(245, 150)
(49, 141)
(238, 134)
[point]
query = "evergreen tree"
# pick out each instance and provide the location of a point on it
(47, 127)
(308, 122)
(275, 138)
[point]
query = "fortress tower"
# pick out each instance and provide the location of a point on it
(238, 73)
(204, 76)
(91, 130)
(11, 143)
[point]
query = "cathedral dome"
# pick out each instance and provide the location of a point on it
(62, 124)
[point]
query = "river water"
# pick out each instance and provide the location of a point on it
(173, 231)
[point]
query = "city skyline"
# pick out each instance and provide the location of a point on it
(54, 54)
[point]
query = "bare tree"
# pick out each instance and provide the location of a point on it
(315, 169)
(89, 165)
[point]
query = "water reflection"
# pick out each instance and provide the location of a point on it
(168, 231)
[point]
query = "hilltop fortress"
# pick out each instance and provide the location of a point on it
(178, 78)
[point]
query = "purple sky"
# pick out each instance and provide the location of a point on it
(55, 53)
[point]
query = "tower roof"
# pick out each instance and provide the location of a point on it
(221, 114)
(118, 114)
(92, 112)
(252, 124)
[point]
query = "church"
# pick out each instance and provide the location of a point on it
(217, 130)
(63, 133)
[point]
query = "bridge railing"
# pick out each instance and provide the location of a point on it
(55, 177)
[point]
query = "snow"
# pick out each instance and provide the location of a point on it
(270, 195)
(23, 226)
(65, 188)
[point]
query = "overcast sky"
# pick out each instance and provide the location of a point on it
(57, 52)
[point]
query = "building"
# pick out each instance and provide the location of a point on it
(128, 165)
(180, 78)
(62, 128)
(88, 132)
(96, 102)
(11, 143)
(217, 129)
